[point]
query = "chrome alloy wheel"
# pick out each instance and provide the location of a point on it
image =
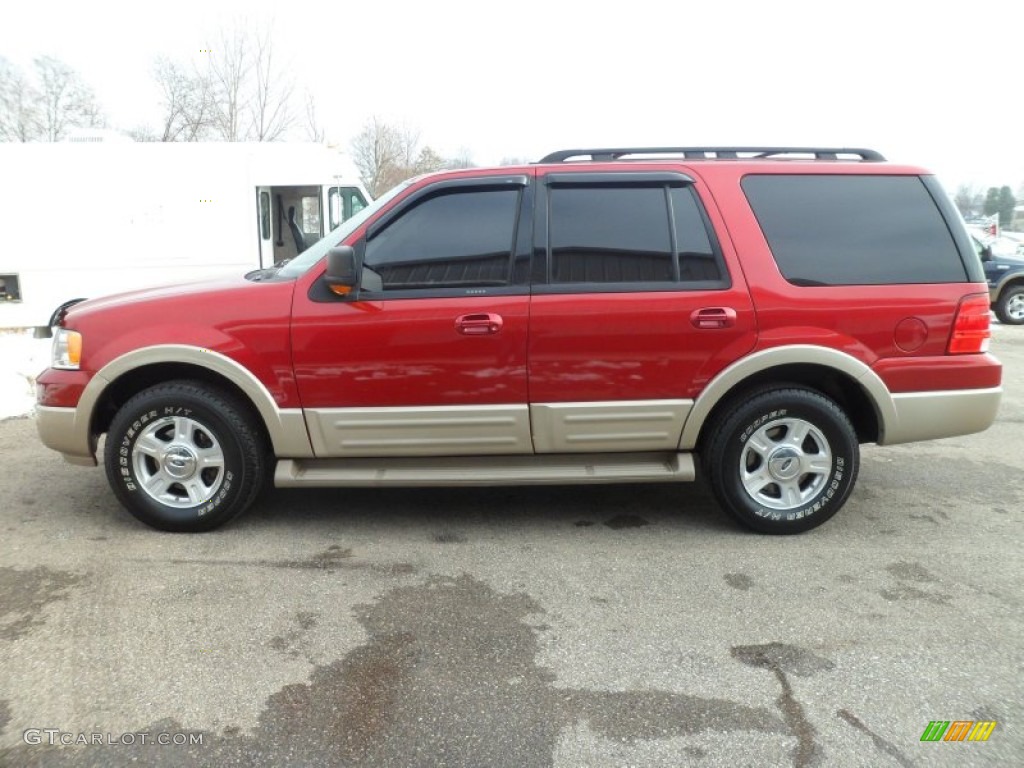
(1015, 307)
(785, 464)
(178, 461)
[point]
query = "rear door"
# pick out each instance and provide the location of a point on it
(634, 310)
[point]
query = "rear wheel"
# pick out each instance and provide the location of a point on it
(783, 460)
(1010, 305)
(183, 456)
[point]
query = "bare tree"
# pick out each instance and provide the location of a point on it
(428, 161)
(463, 159)
(48, 109)
(512, 160)
(237, 91)
(314, 130)
(143, 133)
(229, 69)
(964, 199)
(378, 153)
(409, 145)
(386, 154)
(270, 106)
(67, 102)
(19, 115)
(187, 99)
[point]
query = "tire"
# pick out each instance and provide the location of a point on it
(154, 447)
(1010, 305)
(782, 460)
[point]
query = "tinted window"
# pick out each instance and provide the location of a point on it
(451, 240)
(697, 260)
(854, 230)
(657, 234)
(610, 235)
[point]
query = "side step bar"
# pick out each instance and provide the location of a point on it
(486, 470)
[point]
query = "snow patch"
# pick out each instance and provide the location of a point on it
(22, 358)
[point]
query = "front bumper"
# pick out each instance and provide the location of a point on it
(59, 429)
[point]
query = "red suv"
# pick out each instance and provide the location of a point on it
(609, 316)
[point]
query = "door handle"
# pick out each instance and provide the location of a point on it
(480, 324)
(713, 317)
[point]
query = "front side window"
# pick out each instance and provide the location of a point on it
(642, 234)
(854, 230)
(455, 239)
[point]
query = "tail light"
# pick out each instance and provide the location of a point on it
(971, 331)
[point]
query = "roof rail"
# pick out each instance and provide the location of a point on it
(713, 153)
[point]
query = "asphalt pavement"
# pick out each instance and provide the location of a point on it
(570, 626)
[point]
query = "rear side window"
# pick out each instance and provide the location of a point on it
(608, 235)
(635, 234)
(854, 230)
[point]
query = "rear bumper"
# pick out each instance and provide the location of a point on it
(943, 413)
(58, 430)
(906, 375)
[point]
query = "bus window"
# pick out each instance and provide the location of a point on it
(265, 215)
(311, 216)
(342, 203)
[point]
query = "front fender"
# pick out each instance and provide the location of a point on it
(286, 426)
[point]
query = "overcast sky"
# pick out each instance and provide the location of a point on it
(919, 81)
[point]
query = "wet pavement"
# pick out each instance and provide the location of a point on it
(576, 626)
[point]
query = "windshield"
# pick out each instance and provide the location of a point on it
(318, 250)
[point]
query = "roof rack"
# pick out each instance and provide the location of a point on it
(712, 153)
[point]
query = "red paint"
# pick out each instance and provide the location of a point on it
(408, 352)
(550, 348)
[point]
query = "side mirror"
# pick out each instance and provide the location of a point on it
(341, 275)
(986, 253)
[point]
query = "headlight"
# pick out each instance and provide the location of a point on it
(67, 350)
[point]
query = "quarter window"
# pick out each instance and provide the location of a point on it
(697, 259)
(453, 240)
(854, 230)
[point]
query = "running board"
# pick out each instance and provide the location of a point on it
(544, 469)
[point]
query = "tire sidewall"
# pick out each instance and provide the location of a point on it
(1002, 306)
(834, 492)
(125, 430)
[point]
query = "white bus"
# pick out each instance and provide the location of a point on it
(86, 219)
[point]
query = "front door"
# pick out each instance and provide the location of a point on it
(429, 358)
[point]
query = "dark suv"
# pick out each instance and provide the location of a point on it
(1005, 276)
(608, 316)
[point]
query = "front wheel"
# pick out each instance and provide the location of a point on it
(782, 460)
(185, 457)
(1010, 306)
